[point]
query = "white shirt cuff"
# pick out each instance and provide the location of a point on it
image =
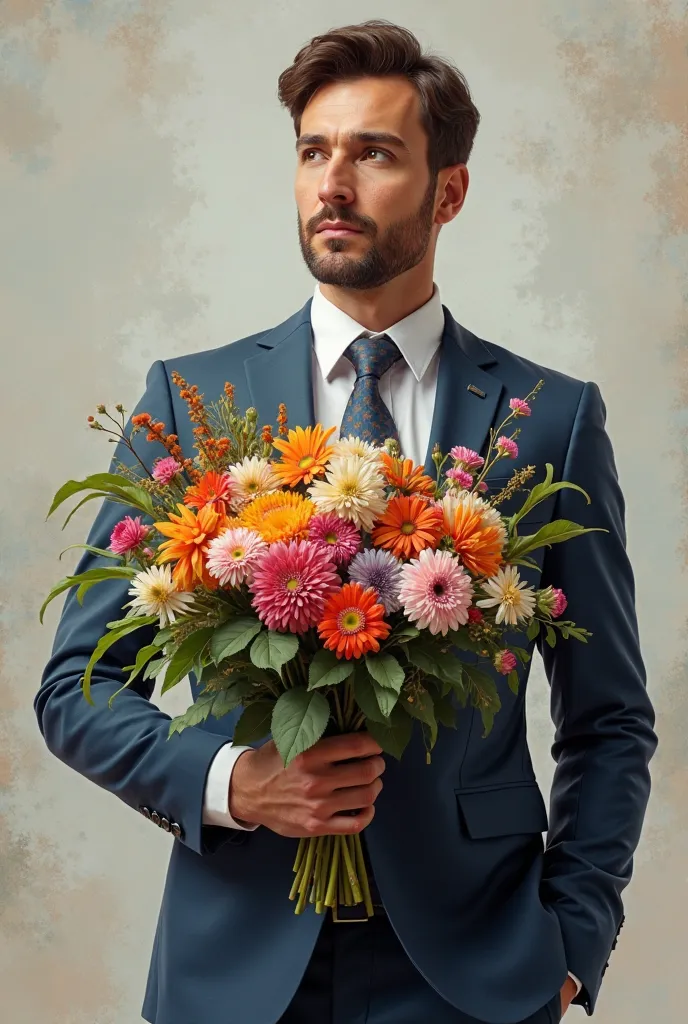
(216, 796)
(579, 984)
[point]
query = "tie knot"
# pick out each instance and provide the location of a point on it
(372, 356)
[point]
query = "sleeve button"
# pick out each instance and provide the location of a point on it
(145, 811)
(155, 817)
(175, 829)
(165, 824)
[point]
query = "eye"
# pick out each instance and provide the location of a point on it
(380, 152)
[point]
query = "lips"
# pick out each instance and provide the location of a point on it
(338, 226)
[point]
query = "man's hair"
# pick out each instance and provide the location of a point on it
(379, 48)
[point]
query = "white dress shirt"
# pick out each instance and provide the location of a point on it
(407, 389)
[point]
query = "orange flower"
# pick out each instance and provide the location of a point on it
(479, 546)
(280, 516)
(304, 455)
(409, 525)
(353, 622)
(213, 490)
(405, 477)
(189, 536)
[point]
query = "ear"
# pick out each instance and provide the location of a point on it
(453, 185)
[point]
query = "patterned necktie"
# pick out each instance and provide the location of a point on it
(366, 415)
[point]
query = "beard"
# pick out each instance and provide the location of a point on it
(402, 247)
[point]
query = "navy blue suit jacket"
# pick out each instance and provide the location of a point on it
(491, 914)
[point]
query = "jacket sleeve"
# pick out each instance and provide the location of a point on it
(125, 749)
(604, 721)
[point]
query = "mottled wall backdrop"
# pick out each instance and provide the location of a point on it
(146, 211)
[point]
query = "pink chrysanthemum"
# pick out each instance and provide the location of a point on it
(166, 469)
(519, 407)
(460, 477)
(291, 584)
(338, 536)
(436, 591)
(505, 662)
(232, 555)
(560, 604)
(128, 534)
(507, 446)
(467, 457)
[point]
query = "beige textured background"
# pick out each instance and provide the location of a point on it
(146, 210)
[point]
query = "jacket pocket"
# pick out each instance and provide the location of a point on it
(502, 811)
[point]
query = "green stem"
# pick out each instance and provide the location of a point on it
(324, 875)
(363, 876)
(296, 886)
(350, 871)
(303, 888)
(340, 720)
(331, 895)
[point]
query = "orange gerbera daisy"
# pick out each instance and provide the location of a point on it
(279, 516)
(353, 622)
(478, 545)
(190, 534)
(213, 489)
(405, 477)
(408, 525)
(304, 455)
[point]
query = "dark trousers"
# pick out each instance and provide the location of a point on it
(360, 974)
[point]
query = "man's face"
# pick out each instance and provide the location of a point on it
(379, 186)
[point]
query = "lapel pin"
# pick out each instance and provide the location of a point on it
(476, 391)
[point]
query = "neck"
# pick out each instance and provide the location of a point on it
(378, 309)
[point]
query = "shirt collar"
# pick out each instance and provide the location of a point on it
(418, 335)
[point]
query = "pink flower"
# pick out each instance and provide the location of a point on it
(128, 534)
(560, 603)
(475, 615)
(483, 487)
(467, 457)
(506, 446)
(436, 591)
(232, 555)
(460, 477)
(338, 536)
(551, 601)
(519, 407)
(505, 662)
(291, 584)
(166, 469)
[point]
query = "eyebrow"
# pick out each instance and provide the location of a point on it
(376, 138)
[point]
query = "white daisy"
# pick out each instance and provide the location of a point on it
(154, 593)
(354, 489)
(516, 599)
(348, 446)
(251, 478)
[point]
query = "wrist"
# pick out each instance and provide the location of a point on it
(239, 802)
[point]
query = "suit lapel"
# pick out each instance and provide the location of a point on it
(462, 417)
(283, 371)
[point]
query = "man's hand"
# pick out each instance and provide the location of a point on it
(568, 991)
(308, 797)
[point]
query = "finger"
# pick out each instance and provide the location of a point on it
(342, 748)
(348, 824)
(355, 797)
(359, 772)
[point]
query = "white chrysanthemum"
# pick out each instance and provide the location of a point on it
(251, 478)
(154, 593)
(490, 516)
(354, 488)
(516, 600)
(348, 446)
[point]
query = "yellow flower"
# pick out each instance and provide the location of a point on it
(279, 516)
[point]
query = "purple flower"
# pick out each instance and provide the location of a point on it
(380, 570)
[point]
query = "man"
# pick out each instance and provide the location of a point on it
(475, 919)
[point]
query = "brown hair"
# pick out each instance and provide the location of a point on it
(380, 48)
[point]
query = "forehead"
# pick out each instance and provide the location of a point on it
(389, 104)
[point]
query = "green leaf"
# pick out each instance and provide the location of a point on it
(366, 695)
(394, 736)
(484, 695)
(108, 485)
(90, 576)
(543, 490)
(404, 633)
(385, 670)
(183, 658)
(551, 636)
(154, 668)
(299, 719)
(104, 645)
(254, 723)
(521, 653)
(512, 680)
(445, 711)
(95, 551)
(233, 637)
(463, 642)
(327, 669)
(556, 532)
(427, 656)
(143, 657)
(272, 650)
(423, 708)
(533, 629)
(194, 715)
(231, 697)
(386, 698)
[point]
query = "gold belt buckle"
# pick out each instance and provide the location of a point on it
(349, 920)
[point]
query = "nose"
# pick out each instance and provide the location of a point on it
(334, 189)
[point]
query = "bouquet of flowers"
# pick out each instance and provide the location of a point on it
(321, 587)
